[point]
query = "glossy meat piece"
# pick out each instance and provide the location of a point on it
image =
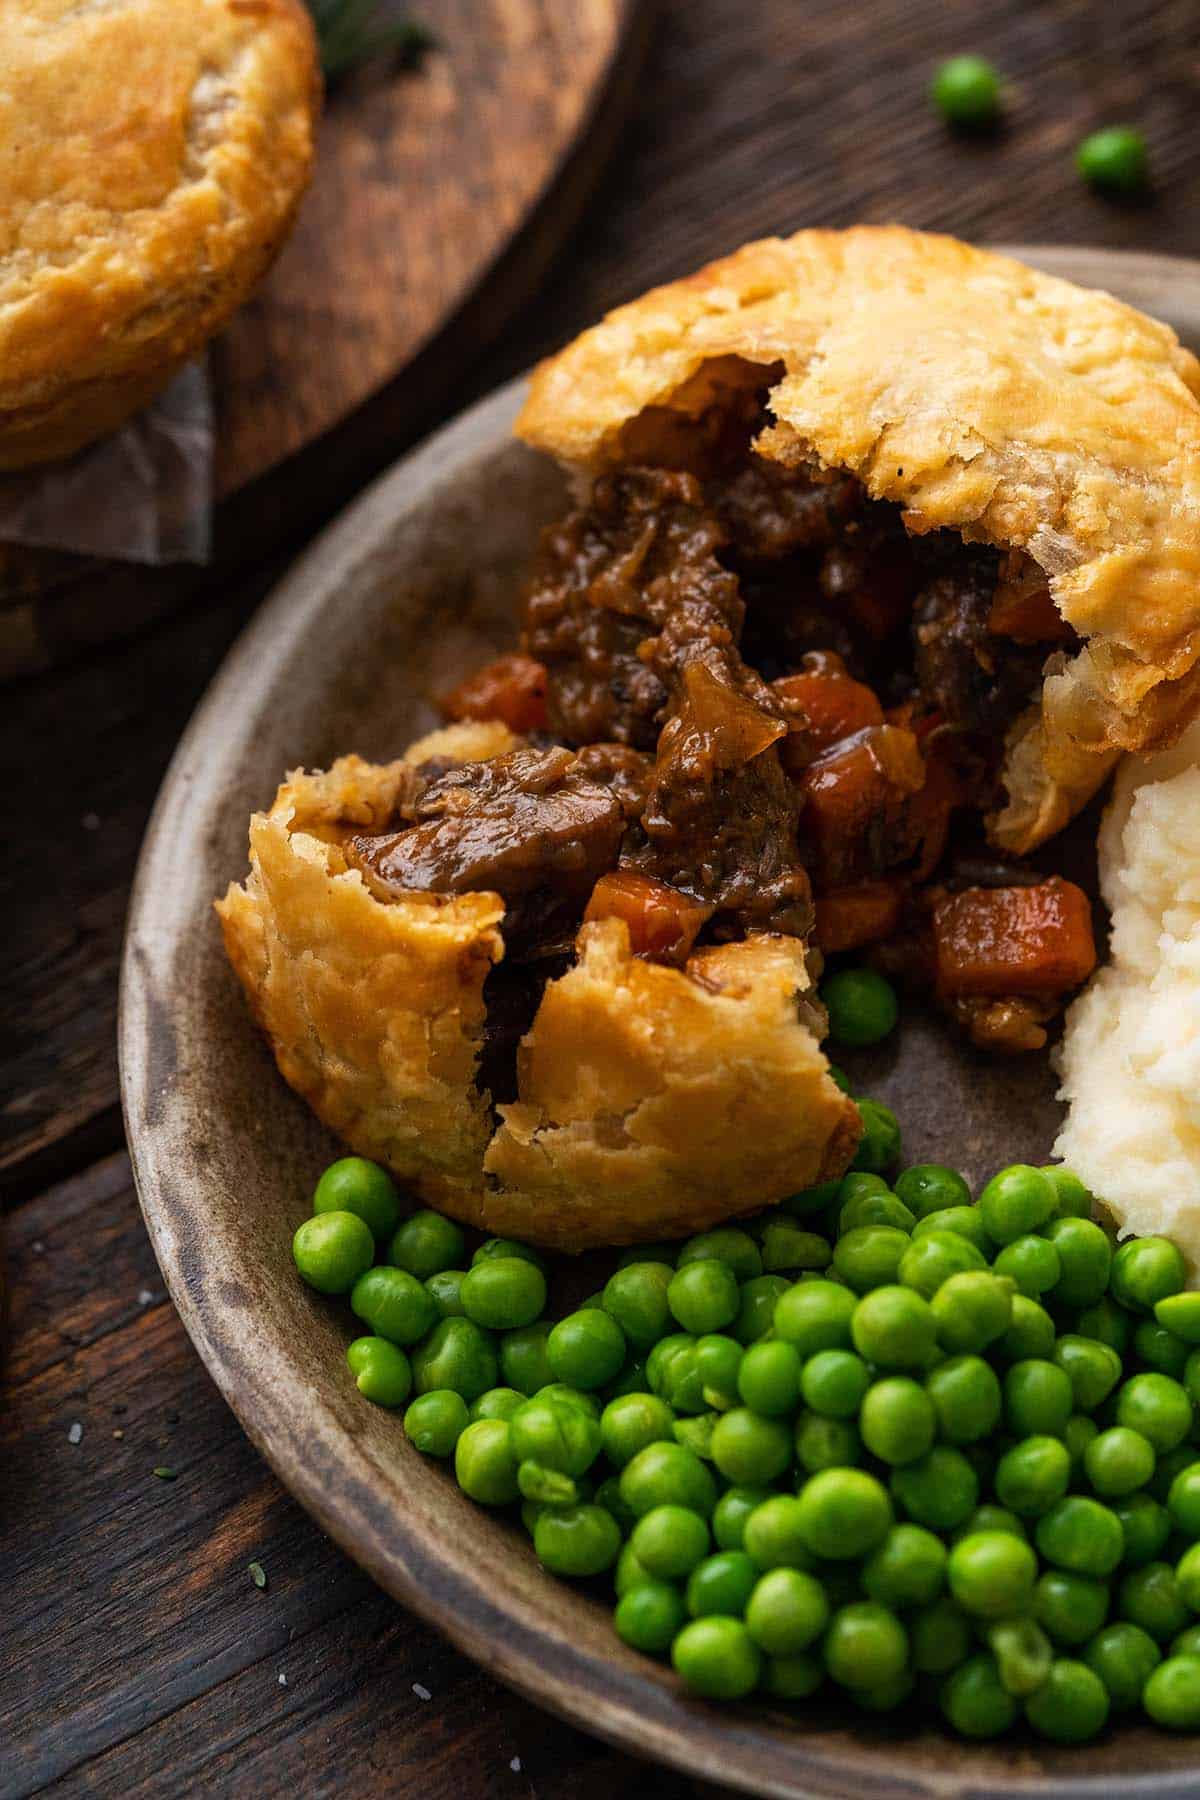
(770, 511)
(527, 826)
(979, 681)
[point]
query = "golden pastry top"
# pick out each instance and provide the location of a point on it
(980, 395)
(151, 156)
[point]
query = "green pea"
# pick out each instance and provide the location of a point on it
(445, 1290)
(1160, 1349)
(792, 1677)
(874, 1209)
(1032, 1263)
(897, 1420)
(484, 1463)
(826, 1443)
(1169, 1465)
(503, 1293)
(1081, 1535)
(750, 1450)
(555, 1433)
(717, 1658)
(1118, 1462)
(757, 1302)
(966, 1399)
(966, 91)
(1186, 1644)
(991, 1574)
(934, 1257)
(546, 1487)
(1085, 1260)
(939, 1491)
(1183, 1500)
(786, 1612)
(1145, 1526)
(774, 1534)
(670, 1540)
(576, 1540)
(721, 1584)
(929, 1188)
(1030, 1333)
(382, 1372)
(869, 1256)
(1072, 1608)
(1071, 1705)
(737, 1249)
(785, 1246)
(1023, 1655)
(1180, 1314)
(332, 1251)
(1114, 159)
(862, 1007)
(813, 1316)
(523, 1359)
(436, 1420)
(636, 1297)
(673, 1373)
(1093, 1369)
(731, 1513)
(1157, 1407)
(632, 1421)
(894, 1327)
(1171, 1695)
(865, 1646)
(426, 1243)
(843, 1513)
(395, 1305)
(1037, 1398)
(508, 1247)
(1107, 1322)
(768, 1378)
(972, 1310)
(940, 1636)
(704, 1296)
(497, 1403)
(667, 1473)
(1145, 1271)
(719, 1362)
(648, 1617)
(1078, 1432)
(833, 1383)
(991, 1518)
(1124, 1657)
(586, 1349)
(1150, 1597)
(1032, 1476)
(811, 1200)
(975, 1701)
(1187, 1577)
(457, 1355)
(879, 1147)
(1016, 1201)
(1075, 1201)
(908, 1568)
(354, 1185)
(628, 1572)
(963, 1220)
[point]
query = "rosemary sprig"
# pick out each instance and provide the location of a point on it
(351, 32)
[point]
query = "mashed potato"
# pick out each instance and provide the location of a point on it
(1130, 1058)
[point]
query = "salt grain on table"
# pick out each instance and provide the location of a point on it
(421, 1691)
(75, 1435)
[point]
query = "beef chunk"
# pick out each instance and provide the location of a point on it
(978, 680)
(770, 511)
(527, 826)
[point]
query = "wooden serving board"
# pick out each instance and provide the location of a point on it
(440, 197)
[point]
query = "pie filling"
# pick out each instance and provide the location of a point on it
(753, 703)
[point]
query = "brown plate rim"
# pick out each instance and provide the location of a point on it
(617, 1696)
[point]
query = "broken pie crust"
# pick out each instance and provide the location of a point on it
(654, 1101)
(981, 396)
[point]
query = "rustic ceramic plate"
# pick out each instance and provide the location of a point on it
(410, 588)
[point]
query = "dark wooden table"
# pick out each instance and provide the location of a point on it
(136, 1655)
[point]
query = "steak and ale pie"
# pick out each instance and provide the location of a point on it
(884, 549)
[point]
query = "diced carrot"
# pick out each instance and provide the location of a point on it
(663, 923)
(852, 795)
(832, 708)
(512, 689)
(1023, 610)
(849, 917)
(997, 942)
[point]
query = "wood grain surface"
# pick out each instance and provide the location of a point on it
(139, 1658)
